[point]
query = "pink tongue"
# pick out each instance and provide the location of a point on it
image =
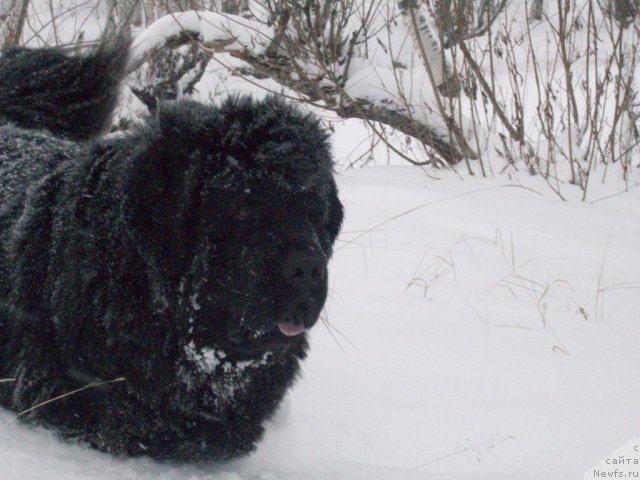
(290, 330)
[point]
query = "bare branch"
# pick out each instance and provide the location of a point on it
(14, 31)
(313, 67)
(484, 26)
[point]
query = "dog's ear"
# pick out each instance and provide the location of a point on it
(163, 185)
(163, 211)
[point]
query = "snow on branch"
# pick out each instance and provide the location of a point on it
(216, 31)
(359, 63)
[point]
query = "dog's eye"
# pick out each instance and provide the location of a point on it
(243, 213)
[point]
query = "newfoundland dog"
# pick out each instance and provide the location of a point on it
(156, 287)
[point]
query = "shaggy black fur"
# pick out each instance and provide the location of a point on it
(184, 257)
(46, 89)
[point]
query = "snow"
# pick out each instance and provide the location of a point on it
(205, 359)
(214, 28)
(489, 333)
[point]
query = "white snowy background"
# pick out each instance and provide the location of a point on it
(476, 329)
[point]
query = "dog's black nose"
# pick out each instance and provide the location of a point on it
(304, 277)
(304, 270)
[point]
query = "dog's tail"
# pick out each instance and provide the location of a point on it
(72, 97)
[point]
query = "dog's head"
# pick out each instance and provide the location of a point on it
(236, 209)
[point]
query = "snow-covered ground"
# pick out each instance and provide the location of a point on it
(474, 330)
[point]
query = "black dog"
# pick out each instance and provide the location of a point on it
(171, 272)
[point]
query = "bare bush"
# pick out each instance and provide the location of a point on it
(562, 89)
(504, 85)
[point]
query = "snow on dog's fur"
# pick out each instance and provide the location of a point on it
(187, 258)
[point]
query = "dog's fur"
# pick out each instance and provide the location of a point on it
(179, 260)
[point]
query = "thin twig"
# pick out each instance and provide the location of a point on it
(68, 394)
